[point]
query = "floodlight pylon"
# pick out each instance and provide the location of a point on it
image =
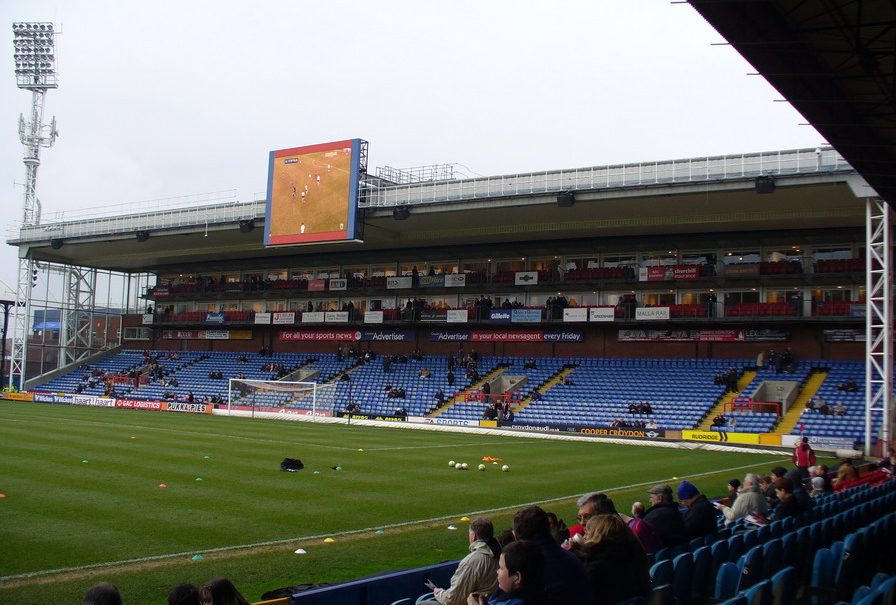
(35, 70)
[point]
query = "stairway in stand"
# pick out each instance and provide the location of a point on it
(793, 415)
(719, 408)
(461, 396)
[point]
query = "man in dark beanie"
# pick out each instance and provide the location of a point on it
(700, 516)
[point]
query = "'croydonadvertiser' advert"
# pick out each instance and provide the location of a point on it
(371, 417)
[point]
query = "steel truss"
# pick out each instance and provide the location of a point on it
(76, 336)
(879, 322)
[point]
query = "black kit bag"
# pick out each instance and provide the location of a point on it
(291, 465)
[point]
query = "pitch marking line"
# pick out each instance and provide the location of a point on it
(252, 439)
(348, 533)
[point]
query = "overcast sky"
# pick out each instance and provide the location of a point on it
(169, 98)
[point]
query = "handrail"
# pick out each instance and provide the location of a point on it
(168, 214)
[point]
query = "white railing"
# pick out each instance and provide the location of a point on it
(730, 167)
(164, 219)
(192, 211)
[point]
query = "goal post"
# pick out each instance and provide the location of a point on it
(278, 395)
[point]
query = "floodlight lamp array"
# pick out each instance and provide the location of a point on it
(34, 54)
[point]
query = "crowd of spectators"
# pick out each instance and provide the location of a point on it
(820, 406)
(498, 411)
(482, 306)
(640, 407)
(848, 386)
(729, 379)
(630, 423)
(603, 559)
(782, 361)
(555, 305)
(219, 591)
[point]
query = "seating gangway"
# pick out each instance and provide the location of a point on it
(742, 382)
(550, 383)
(792, 417)
(465, 395)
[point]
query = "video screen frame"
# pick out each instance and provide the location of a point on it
(313, 193)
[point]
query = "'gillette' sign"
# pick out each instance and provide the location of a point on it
(500, 315)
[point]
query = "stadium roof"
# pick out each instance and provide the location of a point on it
(834, 60)
(814, 189)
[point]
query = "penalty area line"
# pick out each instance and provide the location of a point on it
(347, 533)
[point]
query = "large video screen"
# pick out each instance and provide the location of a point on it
(313, 194)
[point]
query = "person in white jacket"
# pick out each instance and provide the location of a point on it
(749, 501)
(477, 572)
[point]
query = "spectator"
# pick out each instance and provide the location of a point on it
(521, 577)
(505, 538)
(845, 472)
(183, 594)
(424, 373)
(821, 471)
(802, 497)
(566, 581)
(601, 504)
(220, 591)
(767, 489)
(615, 562)
(817, 484)
(749, 501)
(771, 495)
(476, 572)
(558, 528)
(803, 457)
(888, 462)
(664, 516)
(102, 594)
(733, 490)
(700, 516)
(787, 503)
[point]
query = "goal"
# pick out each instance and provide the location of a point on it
(309, 398)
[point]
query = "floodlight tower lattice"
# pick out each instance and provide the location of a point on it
(35, 69)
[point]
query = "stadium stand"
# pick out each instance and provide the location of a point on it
(600, 391)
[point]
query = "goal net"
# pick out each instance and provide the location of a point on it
(309, 398)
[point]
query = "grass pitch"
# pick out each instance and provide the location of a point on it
(84, 503)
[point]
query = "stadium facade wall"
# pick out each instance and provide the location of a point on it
(807, 342)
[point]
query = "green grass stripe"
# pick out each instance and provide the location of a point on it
(109, 519)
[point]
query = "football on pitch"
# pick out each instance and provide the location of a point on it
(482, 467)
(505, 468)
(451, 463)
